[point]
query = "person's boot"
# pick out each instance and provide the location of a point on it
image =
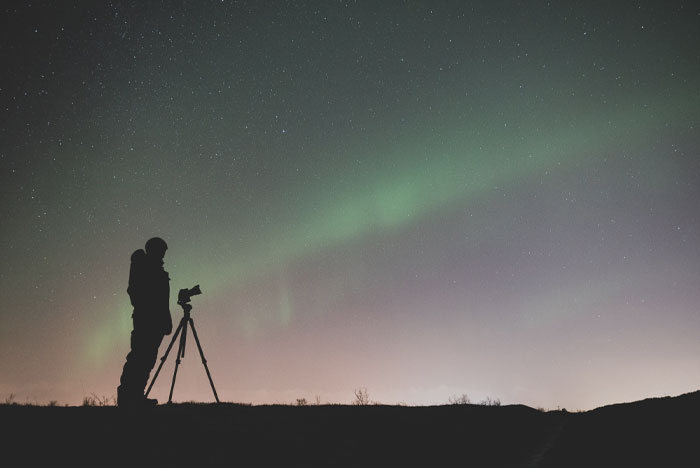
(134, 400)
(142, 402)
(150, 401)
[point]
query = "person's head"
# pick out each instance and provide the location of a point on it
(156, 247)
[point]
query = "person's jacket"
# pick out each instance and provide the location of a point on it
(149, 291)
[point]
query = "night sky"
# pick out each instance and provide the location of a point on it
(425, 199)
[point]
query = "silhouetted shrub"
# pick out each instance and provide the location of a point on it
(361, 397)
(490, 402)
(462, 399)
(94, 400)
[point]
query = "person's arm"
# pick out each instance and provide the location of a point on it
(167, 319)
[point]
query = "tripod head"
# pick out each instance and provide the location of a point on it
(186, 307)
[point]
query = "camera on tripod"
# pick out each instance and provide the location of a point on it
(184, 296)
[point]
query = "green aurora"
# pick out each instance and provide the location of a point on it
(467, 169)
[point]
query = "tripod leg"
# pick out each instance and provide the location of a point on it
(177, 361)
(165, 356)
(184, 340)
(204, 361)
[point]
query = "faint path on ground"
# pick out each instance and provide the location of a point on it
(538, 456)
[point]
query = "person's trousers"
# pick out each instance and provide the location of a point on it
(139, 363)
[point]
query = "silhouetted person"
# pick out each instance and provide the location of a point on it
(149, 291)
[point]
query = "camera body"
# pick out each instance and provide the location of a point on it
(184, 296)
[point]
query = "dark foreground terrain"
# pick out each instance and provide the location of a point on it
(656, 432)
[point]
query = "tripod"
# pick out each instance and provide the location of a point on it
(184, 322)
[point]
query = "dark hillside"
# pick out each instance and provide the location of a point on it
(226, 434)
(655, 432)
